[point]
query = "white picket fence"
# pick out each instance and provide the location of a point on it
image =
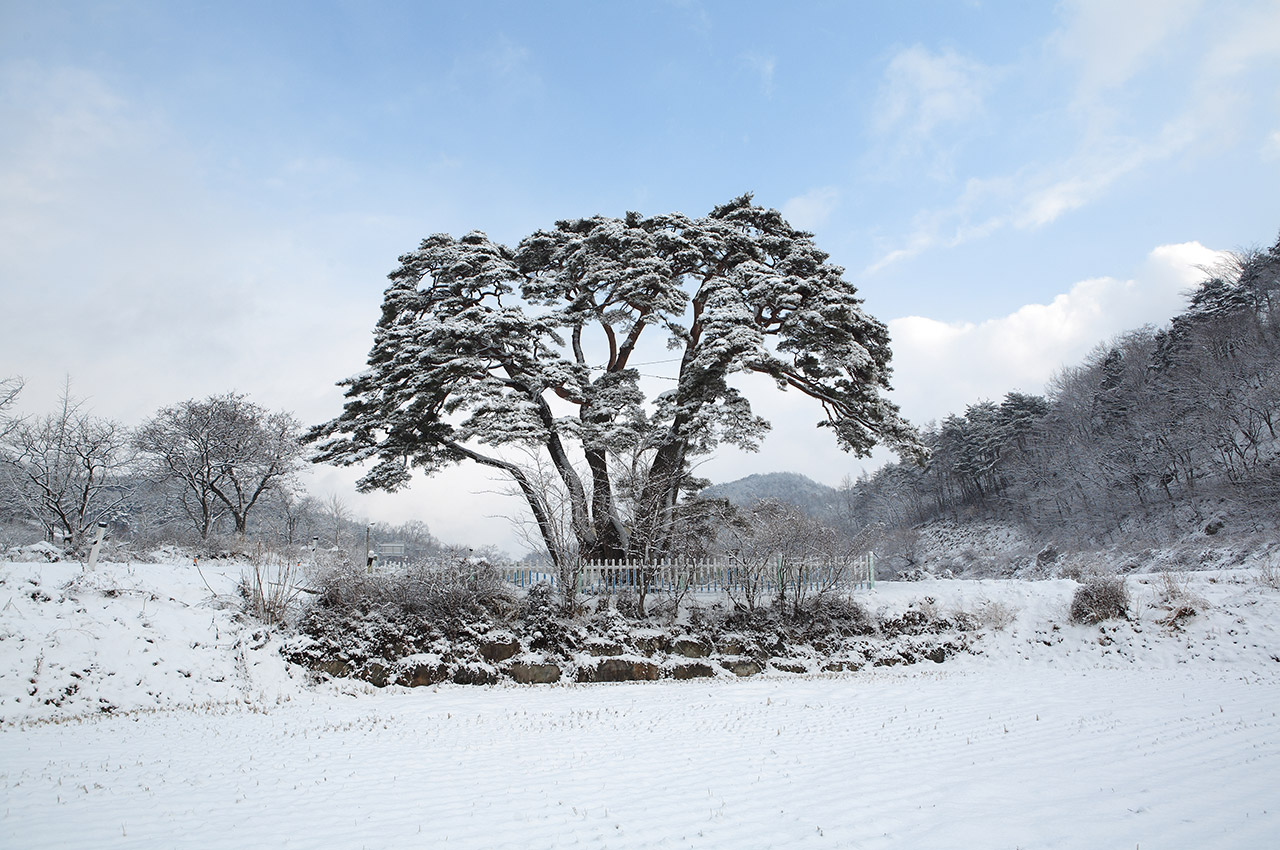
(717, 576)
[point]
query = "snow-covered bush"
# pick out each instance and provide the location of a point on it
(1100, 598)
(42, 551)
(437, 592)
(420, 627)
(923, 617)
(833, 615)
(665, 607)
(541, 620)
(415, 604)
(369, 625)
(627, 603)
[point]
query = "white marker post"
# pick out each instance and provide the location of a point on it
(97, 544)
(368, 555)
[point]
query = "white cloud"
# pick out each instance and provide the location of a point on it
(133, 276)
(1045, 205)
(810, 210)
(924, 238)
(1107, 47)
(1110, 42)
(123, 269)
(1251, 34)
(941, 367)
(1036, 196)
(1088, 176)
(924, 91)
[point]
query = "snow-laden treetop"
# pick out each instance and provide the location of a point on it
(478, 341)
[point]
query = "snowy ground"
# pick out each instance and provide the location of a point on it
(139, 713)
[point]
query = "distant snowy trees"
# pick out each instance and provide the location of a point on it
(1160, 423)
(484, 351)
(195, 463)
(220, 473)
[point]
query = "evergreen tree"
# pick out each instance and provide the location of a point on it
(481, 348)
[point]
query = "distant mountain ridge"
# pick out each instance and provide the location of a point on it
(817, 500)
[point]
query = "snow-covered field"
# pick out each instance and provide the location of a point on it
(140, 712)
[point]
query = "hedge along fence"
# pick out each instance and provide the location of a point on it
(725, 575)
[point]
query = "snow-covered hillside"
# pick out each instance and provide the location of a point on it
(141, 709)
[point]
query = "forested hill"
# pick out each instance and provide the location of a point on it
(1160, 432)
(817, 500)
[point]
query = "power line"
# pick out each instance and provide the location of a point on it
(646, 363)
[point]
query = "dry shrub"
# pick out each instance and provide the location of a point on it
(1180, 603)
(1100, 598)
(1269, 573)
(271, 586)
(995, 615)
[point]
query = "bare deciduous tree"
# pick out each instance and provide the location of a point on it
(777, 545)
(338, 512)
(295, 510)
(66, 469)
(9, 389)
(226, 451)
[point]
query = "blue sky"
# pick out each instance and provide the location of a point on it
(203, 197)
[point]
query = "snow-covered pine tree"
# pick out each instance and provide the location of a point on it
(481, 349)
